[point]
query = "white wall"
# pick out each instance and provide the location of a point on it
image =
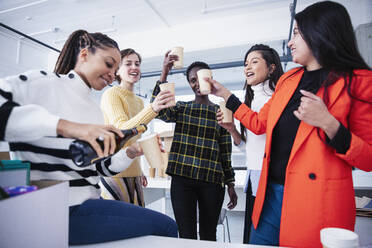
(18, 54)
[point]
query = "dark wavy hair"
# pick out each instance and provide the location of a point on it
(124, 53)
(327, 30)
(196, 64)
(77, 41)
(271, 57)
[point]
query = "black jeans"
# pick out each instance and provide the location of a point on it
(186, 194)
(249, 203)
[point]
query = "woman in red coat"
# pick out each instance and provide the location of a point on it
(317, 125)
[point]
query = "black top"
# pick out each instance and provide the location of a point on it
(286, 128)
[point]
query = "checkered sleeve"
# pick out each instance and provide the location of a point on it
(226, 149)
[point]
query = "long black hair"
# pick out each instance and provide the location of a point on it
(75, 43)
(271, 57)
(327, 30)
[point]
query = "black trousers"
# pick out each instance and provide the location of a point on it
(186, 194)
(249, 203)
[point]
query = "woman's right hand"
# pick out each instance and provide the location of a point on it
(229, 126)
(218, 89)
(163, 100)
(90, 133)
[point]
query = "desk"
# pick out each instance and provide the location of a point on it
(165, 242)
(158, 188)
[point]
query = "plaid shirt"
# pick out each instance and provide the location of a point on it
(201, 149)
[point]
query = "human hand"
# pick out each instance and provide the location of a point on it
(313, 111)
(163, 100)
(169, 61)
(144, 181)
(233, 196)
(229, 126)
(218, 89)
(91, 133)
(134, 150)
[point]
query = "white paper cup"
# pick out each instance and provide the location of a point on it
(227, 113)
(151, 150)
(332, 237)
(179, 52)
(171, 88)
(204, 86)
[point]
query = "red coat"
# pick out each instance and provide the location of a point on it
(318, 189)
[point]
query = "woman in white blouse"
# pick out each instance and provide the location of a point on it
(262, 69)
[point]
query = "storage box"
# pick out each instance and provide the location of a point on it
(36, 219)
(14, 173)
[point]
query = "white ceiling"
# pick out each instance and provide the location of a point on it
(214, 31)
(195, 24)
(152, 26)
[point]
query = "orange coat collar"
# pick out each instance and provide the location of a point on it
(284, 94)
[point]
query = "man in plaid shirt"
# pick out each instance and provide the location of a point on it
(199, 160)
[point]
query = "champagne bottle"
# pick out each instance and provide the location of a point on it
(83, 154)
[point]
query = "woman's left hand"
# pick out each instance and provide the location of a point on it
(233, 196)
(313, 111)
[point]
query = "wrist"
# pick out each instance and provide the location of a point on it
(226, 94)
(231, 184)
(331, 126)
(153, 107)
(164, 74)
(63, 127)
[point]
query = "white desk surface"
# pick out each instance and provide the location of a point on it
(165, 242)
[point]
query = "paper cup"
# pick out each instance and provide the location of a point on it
(338, 238)
(171, 88)
(151, 150)
(227, 114)
(204, 86)
(179, 52)
(152, 172)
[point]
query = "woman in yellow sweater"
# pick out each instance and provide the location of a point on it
(123, 109)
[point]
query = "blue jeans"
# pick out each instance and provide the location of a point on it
(267, 232)
(100, 220)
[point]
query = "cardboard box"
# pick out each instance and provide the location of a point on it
(36, 219)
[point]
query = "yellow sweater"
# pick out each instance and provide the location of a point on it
(123, 109)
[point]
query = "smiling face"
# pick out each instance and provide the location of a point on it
(256, 69)
(193, 81)
(98, 69)
(301, 53)
(130, 69)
